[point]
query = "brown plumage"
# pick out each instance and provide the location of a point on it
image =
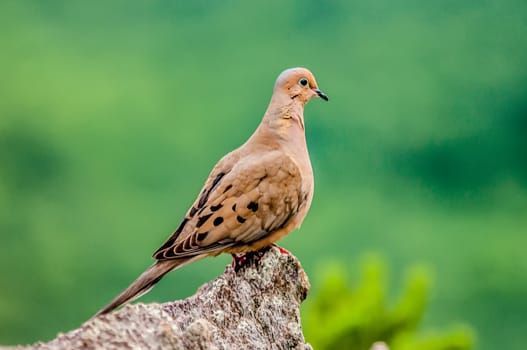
(254, 196)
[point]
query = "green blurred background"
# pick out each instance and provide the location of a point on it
(112, 113)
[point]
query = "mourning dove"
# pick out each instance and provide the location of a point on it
(254, 196)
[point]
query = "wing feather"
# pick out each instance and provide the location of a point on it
(237, 206)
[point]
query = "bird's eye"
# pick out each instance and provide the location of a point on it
(303, 82)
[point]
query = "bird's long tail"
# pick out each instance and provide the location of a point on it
(145, 282)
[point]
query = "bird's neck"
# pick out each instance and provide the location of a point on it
(284, 116)
(282, 125)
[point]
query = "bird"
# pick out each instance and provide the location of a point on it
(254, 195)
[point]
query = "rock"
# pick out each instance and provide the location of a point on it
(256, 307)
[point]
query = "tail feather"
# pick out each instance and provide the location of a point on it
(144, 283)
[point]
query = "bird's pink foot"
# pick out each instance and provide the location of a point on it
(240, 260)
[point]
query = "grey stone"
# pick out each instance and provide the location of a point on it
(256, 307)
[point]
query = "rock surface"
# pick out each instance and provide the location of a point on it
(256, 307)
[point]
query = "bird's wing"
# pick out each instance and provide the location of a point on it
(239, 204)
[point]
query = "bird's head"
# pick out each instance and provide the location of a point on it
(298, 84)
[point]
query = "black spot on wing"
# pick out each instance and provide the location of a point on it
(234, 207)
(182, 225)
(202, 220)
(193, 211)
(216, 207)
(216, 181)
(227, 188)
(206, 192)
(252, 206)
(172, 238)
(240, 219)
(201, 236)
(203, 198)
(218, 221)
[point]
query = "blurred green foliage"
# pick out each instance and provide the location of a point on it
(343, 315)
(112, 114)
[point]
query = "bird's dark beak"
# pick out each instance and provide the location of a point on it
(321, 94)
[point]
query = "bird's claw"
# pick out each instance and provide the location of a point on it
(241, 260)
